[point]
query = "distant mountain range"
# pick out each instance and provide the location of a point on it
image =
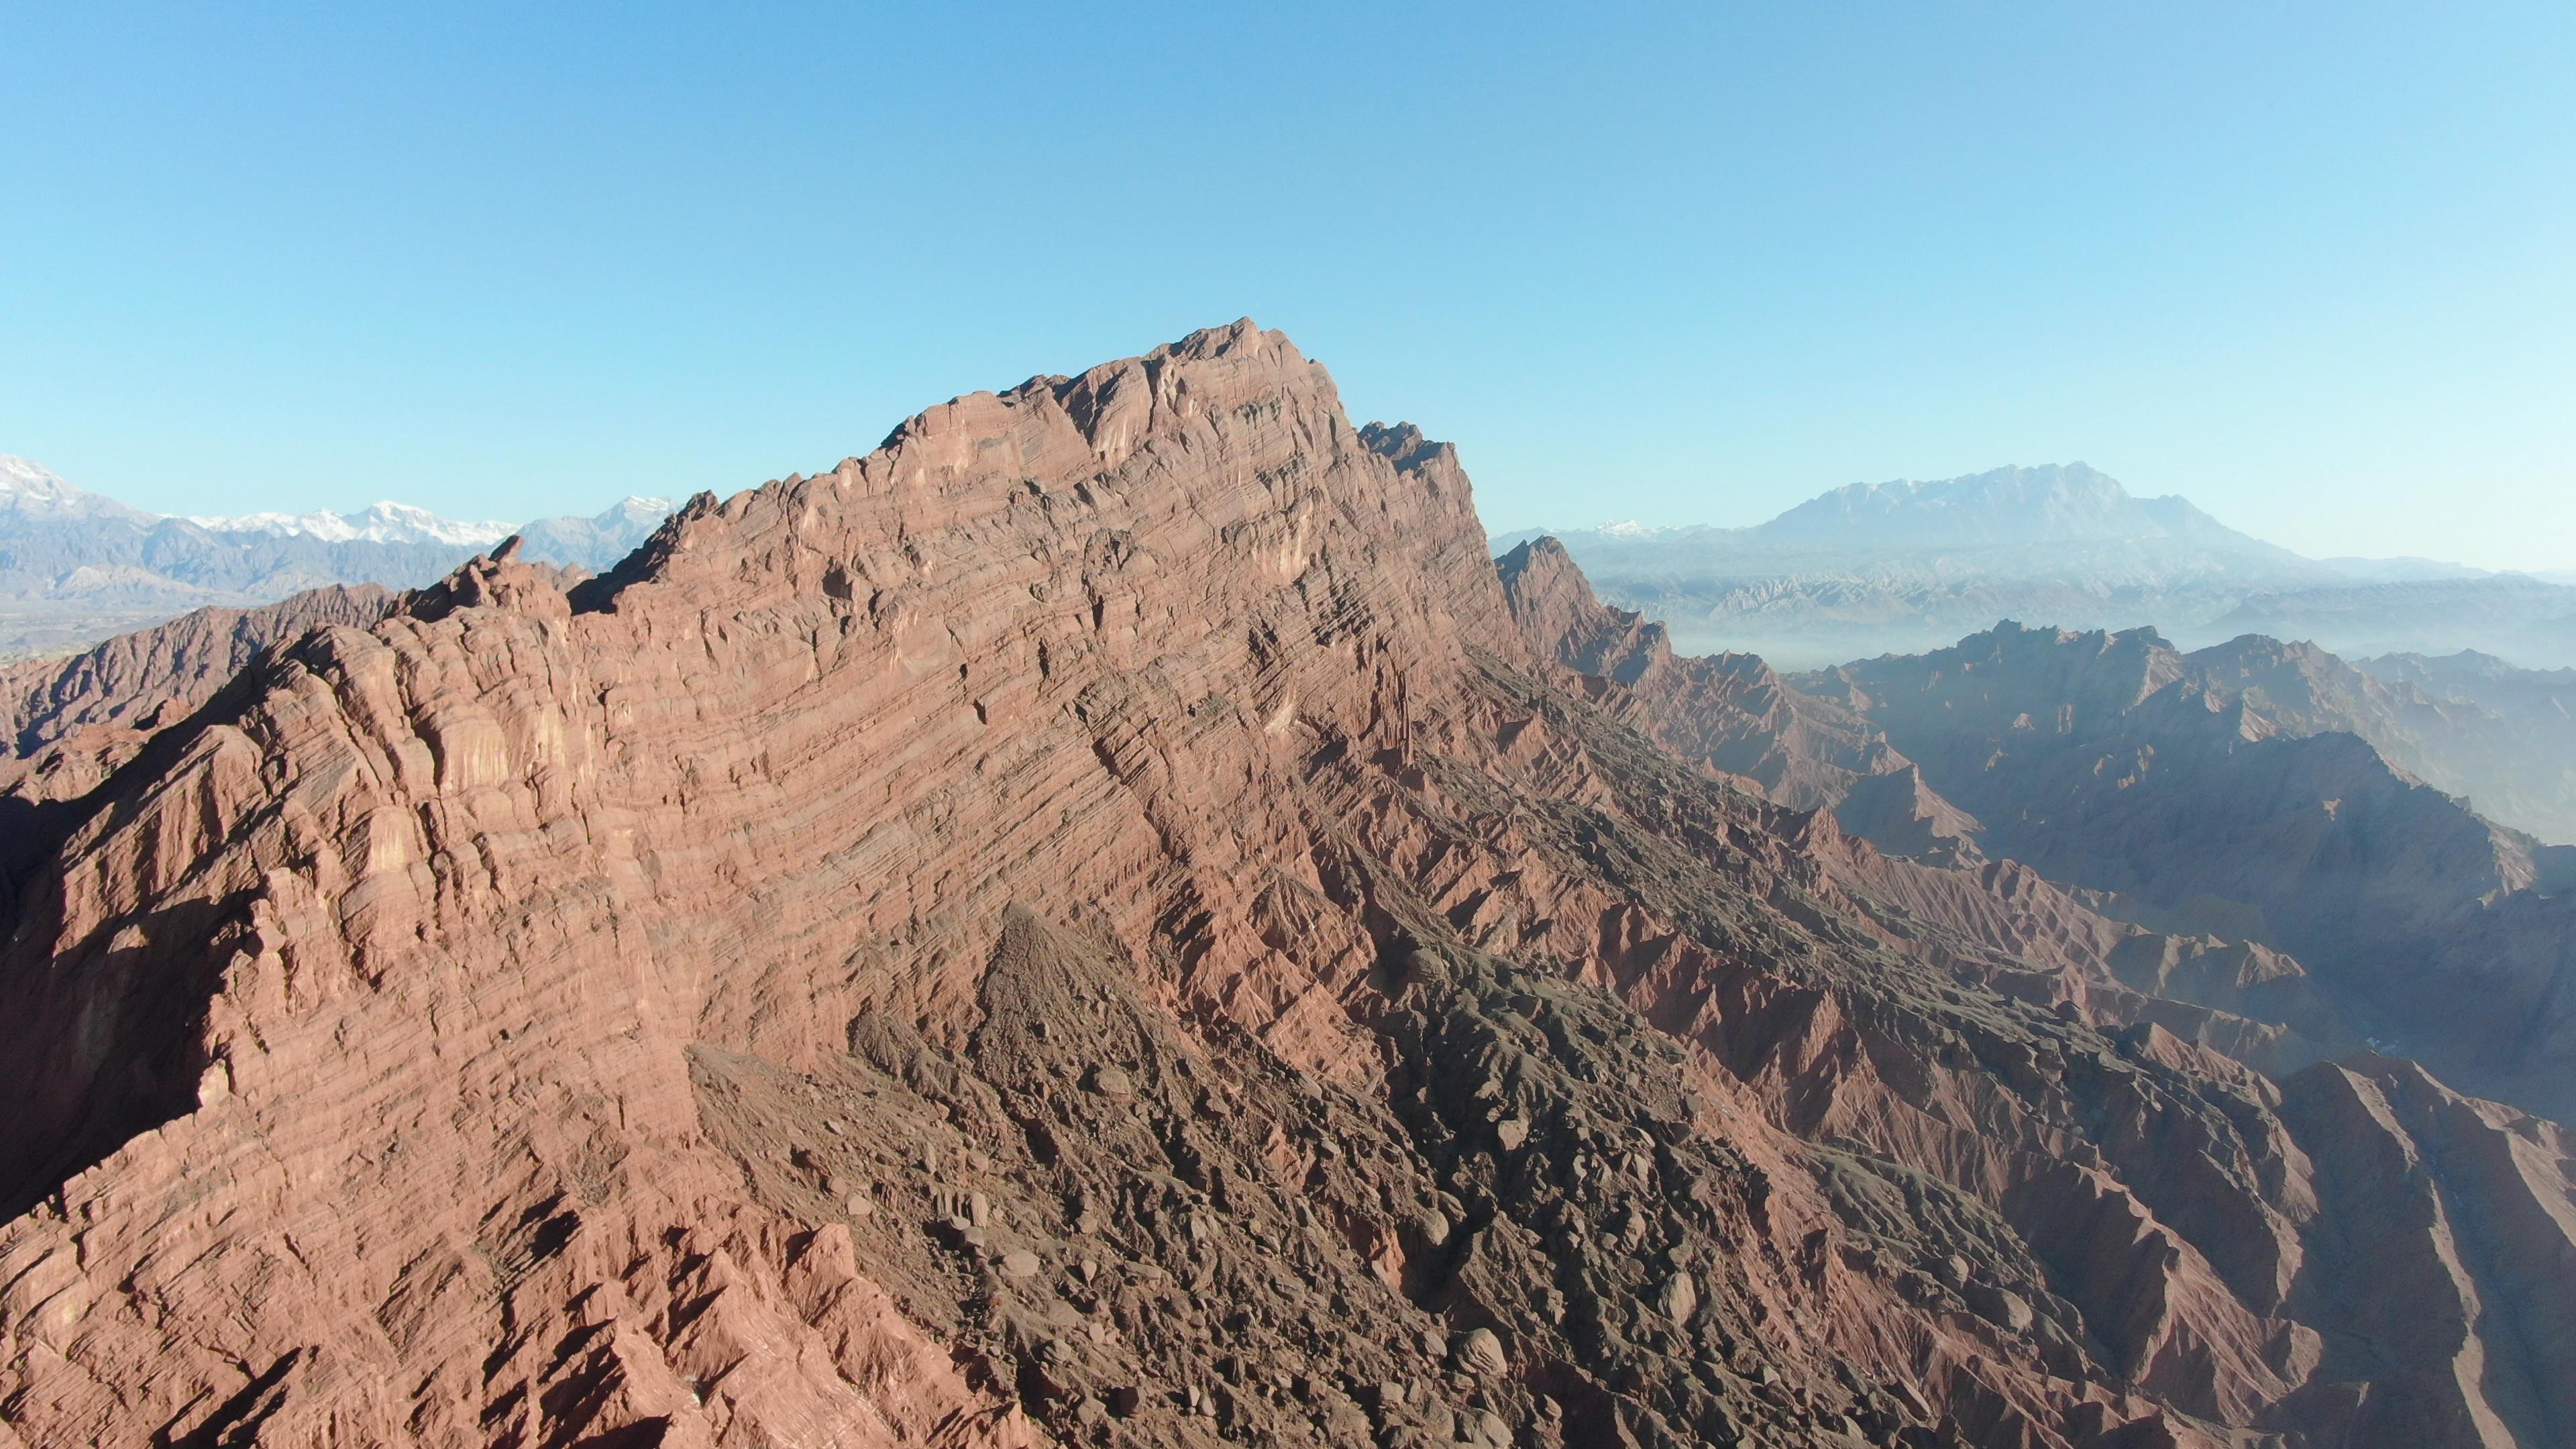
(383, 522)
(1910, 566)
(76, 567)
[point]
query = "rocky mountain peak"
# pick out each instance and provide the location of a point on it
(30, 490)
(1109, 920)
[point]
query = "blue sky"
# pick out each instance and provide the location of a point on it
(2313, 266)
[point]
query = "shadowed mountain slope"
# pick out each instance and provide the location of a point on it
(2504, 737)
(2171, 784)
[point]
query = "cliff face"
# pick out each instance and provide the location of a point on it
(1093, 923)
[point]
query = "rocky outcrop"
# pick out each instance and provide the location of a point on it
(1087, 924)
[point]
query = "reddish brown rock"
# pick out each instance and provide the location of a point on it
(65, 723)
(477, 1027)
(1734, 713)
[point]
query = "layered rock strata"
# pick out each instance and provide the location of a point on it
(64, 724)
(1093, 924)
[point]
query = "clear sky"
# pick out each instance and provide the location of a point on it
(2311, 265)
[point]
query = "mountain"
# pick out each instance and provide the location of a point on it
(1910, 566)
(2006, 507)
(1109, 919)
(2516, 616)
(596, 543)
(29, 493)
(384, 522)
(2220, 793)
(1732, 713)
(2480, 678)
(2502, 738)
(76, 567)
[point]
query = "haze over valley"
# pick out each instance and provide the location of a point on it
(1905, 567)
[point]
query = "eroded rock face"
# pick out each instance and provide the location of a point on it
(1093, 924)
(1999, 923)
(2306, 1240)
(2447, 1212)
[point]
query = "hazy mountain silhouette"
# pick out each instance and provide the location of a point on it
(1909, 566)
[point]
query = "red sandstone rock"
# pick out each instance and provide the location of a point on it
(1733, 712)
(65, 723)
(478, 1027)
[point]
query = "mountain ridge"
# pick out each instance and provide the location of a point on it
(1036, 932)
(384, 521)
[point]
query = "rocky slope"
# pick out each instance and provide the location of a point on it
(2114, 763)
(1092, 923)
(1802, 749)
(136, 680)
(2504, 737)
(1733, 713)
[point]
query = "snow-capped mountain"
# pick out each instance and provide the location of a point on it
(76, 566)
(29, 490)
(598, 542)
(383, 522)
